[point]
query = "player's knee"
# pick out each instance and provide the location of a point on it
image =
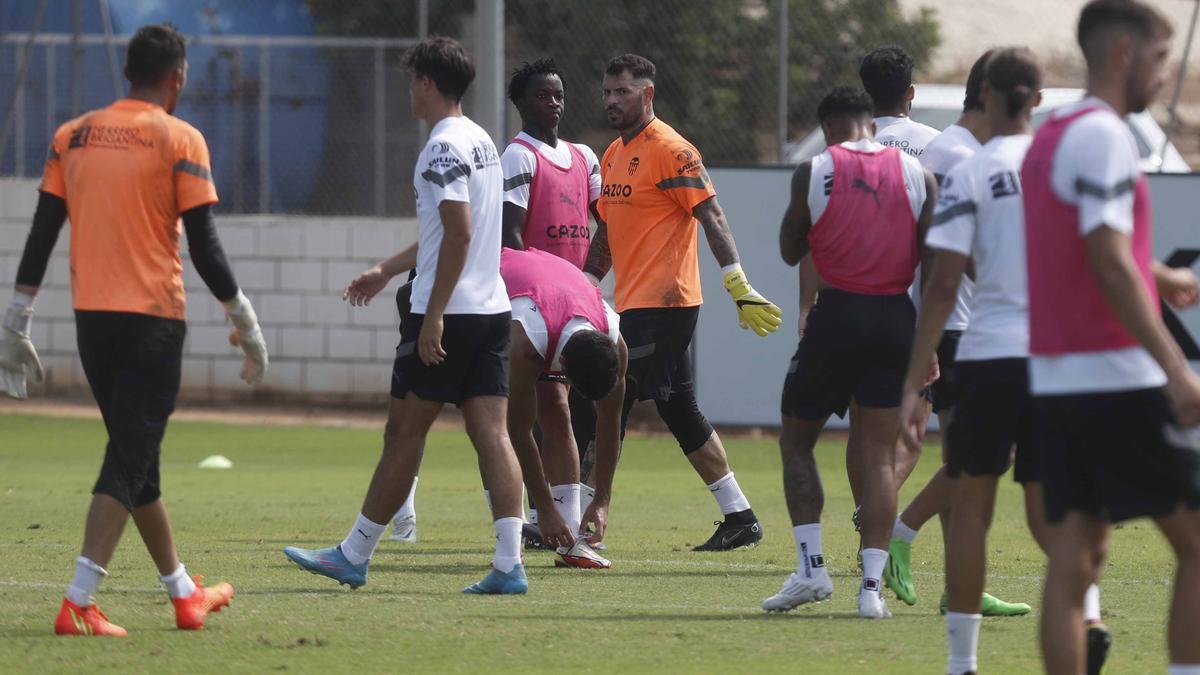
(683, 417)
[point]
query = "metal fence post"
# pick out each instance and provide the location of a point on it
(264, 129)
(19, 116)
(782, 103)
(380, 134)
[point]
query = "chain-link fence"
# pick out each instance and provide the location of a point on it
(319, 124)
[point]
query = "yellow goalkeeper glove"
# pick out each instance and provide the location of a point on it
(754, 311)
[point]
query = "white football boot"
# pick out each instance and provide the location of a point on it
(799, 590)
(871, 604)
(404, 530)
(581, 555)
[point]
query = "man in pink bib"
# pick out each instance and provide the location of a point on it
(1115, 402)
(562, 326)
(862, 209)
(549, 186)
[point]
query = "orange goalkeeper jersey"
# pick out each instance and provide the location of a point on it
(127, 172)
(651, 185)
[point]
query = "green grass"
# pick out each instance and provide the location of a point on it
(661, 607)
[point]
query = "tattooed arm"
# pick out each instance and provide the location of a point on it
(599, 259)
(716, 230)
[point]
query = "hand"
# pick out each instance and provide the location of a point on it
(912, 419)
(1184, 394)
(429, 341)
(249, 336)
(595, 521)
(1178, 287)
(366, 286)
(754, 311)
(18, 358)
(555, 531)
(935, 372)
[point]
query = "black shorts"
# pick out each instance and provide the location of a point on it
(1115, 455)
(854, 347)
(994, 413)
(660, 351)
(944, 391)
(132, 363)
(476, 363)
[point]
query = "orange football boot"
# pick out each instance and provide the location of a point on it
(90, 621)
(190, 611)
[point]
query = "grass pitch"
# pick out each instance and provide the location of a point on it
(661, 608)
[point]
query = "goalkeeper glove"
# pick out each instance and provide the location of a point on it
(18, 358)
(249, 337)
(754, 311)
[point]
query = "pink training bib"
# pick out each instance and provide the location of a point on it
(557, 217)
(559, 290)
(866, 240)
(1067, 311)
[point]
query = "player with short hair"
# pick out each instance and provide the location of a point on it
(655, 190)
(979, 220)
(862, 208)
(886, 74)
(1115, 401)
(127, 175)
(562, 326)
(550, 186)
(454, 348)
(958, 142)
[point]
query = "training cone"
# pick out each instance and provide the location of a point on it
(216, 462)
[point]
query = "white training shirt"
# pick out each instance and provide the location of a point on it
(822, 176)
(942, 153)
(520, 166)
(904, 134)
(460, 164)
(527, 314)
(1095, 167)
(980, 214)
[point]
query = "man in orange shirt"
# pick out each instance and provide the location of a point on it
(126, 175)
(655, 189)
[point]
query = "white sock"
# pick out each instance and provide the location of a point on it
(407, 509)
(729, 495)
(533, 516)
(873, 561)
(88, 576)
(586, 494)
(178, 583)
(1091, 604)
(1183, 669)
(508, 544)
(903, 532)
(962, 631)
(566, 500)
(810, 560)
(361, 540)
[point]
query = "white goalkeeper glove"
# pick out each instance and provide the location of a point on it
(248, 335)
(18, 358)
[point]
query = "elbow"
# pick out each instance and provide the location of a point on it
(790, 258)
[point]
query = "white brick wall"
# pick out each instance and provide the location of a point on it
(292, 268)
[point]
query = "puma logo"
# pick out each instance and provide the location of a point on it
(860, 184)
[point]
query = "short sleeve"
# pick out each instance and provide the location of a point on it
(594, 182)
(53, 180)
(192, 169)
(682, 176)
(518, 165)
(1096, 165)
(954, 217)
(446, 169)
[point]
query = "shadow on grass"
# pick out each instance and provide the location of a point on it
(748, 615)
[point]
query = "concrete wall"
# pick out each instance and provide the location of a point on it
(292, 268)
